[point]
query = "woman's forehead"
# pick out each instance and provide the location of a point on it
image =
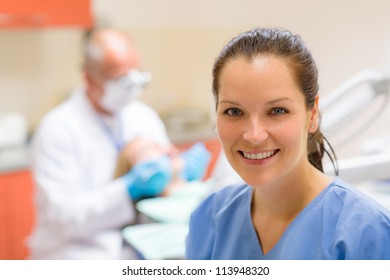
(260, 73)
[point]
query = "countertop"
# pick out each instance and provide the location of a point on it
(191, 134)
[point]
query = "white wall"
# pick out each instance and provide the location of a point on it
(179, 41)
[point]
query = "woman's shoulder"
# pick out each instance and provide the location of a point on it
(211, 217)
(349, 203)
(357, 221)
(225, 197)
(228, 194)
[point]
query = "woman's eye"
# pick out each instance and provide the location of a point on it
(278, 111)
(233, 112)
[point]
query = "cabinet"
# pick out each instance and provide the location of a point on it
(45, 13)
(16, 214)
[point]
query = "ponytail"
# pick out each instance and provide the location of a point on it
(316, 150)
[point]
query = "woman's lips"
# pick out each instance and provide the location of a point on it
(259, 155)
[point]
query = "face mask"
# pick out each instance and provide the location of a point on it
(120, 92)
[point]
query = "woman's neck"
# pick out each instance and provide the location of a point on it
(275, 206)
(286, 198)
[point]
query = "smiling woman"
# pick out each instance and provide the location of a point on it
(261, 113)
(266, 91)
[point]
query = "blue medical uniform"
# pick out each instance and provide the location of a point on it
(340, 223)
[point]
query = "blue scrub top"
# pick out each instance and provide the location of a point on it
(340, 223)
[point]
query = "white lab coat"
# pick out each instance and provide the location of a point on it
(80, 208)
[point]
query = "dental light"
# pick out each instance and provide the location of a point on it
(341, 107)
(339, 114)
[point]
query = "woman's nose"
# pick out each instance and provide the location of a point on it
(255, 132)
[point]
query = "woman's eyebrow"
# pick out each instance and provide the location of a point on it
(280, 100)
(228, 102)
(283, 99)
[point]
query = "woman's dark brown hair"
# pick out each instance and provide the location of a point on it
(281, 43)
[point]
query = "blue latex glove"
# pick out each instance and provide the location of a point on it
(196, 160)
(148, 178)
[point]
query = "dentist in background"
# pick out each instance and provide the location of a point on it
(80, 207)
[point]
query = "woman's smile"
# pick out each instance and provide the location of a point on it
(258, 156)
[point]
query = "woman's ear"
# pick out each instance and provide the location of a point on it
(314, 116)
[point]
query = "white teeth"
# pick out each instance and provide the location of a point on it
(258, 155)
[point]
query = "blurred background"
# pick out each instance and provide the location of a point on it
(40, 64)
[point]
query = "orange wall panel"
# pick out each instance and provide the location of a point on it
(17, 214)
(3, 220)
(45, 13)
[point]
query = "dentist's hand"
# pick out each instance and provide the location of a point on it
(148, 178)
(196, 160)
